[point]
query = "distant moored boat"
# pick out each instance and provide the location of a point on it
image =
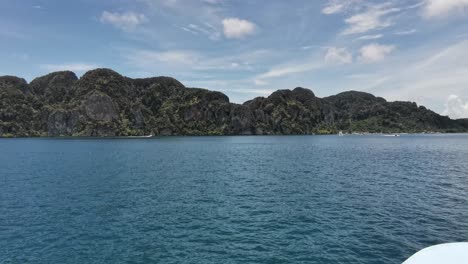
(147, 136)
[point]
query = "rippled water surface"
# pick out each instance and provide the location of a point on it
(304, 199)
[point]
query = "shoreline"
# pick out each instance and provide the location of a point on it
(280, 135)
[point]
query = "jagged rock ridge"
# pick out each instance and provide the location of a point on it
(105, 103)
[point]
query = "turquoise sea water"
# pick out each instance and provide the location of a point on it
(304, 199)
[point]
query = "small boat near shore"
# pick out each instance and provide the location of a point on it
(146, 136)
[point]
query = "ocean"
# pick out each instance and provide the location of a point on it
(260, 199)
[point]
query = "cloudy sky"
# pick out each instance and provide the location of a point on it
(412, 50)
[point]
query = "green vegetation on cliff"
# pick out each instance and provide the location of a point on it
(104, 103)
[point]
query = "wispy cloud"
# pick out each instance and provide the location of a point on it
(308, 47)
(375, 17)
(338, 56)
(425, 76)
(192, 61)
(206, 29)
(76, 67)
(442, 8)
(127, 21)
(405, 32)
(213, 2)
(283, 71)
(147, 58)
(205, 13)
(287, 70)
(338, 6)
(370, 37)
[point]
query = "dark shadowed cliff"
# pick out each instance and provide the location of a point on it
(105, 103)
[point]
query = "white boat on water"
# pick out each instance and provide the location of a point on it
(340, 134)
(147, 136)
(393, 135)
(453, 253)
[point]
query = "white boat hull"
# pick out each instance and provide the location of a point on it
(454, 253)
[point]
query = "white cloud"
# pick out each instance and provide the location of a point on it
(125, 21)
(374, 18)
(375, 52)
(455, 107)
(441, 8)
(238, 28)
(338, 56)
(76, 67)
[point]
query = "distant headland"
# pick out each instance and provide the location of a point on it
(104, 103)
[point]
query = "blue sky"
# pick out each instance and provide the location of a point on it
(414, 50)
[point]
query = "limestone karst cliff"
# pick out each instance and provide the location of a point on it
(105, 103)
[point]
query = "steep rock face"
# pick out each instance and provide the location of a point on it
(242, 121)
(105, 103)
(100, 107)
(62, 123)
(138, 120)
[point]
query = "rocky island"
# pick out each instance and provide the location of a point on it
(104, 103)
